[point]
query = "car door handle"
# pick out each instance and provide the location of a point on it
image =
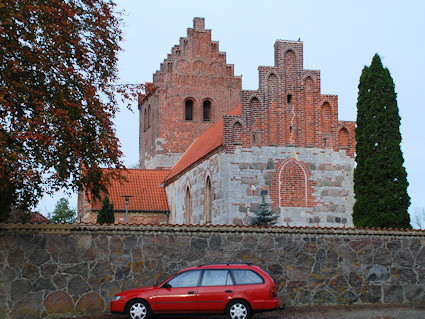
(191, 292)
(228, 291)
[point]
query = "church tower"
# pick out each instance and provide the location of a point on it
(192, 90)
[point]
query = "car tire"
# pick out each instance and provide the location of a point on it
(238, 309)
(138, 309)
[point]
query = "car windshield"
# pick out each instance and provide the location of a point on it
(185, 279)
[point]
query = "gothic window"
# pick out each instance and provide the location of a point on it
(309, 113)
(206, 111)
(255, 121)
(145, 119)
(187, 207)
(292, 185)
(326, 118)
(208, 201)
(255, 113)
(326, 125)
(188, 110)
(343, 138)
(237, 133)
(149, 116)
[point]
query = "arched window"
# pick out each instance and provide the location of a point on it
(187, 207)
(326, 118)
(145, 120)
(326, 125)
(343, 138)
(188, 110)
(149, 116)
(208, 201)
(256, 121)
(255, 113)
(206, 111)
(237, 133)
(292, 185)
(309, 111)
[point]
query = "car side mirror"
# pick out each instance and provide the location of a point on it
(166, 285)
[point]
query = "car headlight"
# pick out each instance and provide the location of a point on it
(116, 298)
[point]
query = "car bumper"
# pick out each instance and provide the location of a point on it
(117, 306)
(272, 304)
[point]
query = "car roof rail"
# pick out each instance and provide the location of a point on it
(227, 264)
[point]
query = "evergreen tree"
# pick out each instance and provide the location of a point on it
(106, 213)
(380, 179)
(62, 212)
(264, 216)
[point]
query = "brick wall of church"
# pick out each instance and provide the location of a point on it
(288, 109)
(287, 140)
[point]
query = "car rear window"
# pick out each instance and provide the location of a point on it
(247, 277)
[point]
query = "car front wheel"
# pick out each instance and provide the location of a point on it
(238, 309)
(139, 309)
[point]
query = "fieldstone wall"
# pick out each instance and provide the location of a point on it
(56, 270)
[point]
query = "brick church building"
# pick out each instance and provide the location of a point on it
(221, 147)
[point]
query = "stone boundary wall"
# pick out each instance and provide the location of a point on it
(51, 270)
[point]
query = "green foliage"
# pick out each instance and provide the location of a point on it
(106, 213)
(380, 179)
(264, 216)
(58, 64)
(62, 212)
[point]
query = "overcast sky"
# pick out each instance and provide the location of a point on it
(340, 38)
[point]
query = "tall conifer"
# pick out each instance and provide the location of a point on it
(380, 179)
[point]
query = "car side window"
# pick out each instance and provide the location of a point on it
(185, 279)
(216, 277)
(247, 277)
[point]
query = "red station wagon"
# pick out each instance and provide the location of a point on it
(237, 290)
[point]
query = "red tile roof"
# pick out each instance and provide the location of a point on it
(36, 217)
(204, 146)
(144, 187)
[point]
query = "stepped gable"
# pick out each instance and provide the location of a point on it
(196, 59)
(192, 90)
(288, 109)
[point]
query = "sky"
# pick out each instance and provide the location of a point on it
(340, 37)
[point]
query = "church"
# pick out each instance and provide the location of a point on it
(210, 151)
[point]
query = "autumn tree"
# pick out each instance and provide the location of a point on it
(58, 66)
(106, 213)
(62, 212)
(380, 179)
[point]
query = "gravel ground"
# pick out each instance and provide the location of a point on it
(319, 312)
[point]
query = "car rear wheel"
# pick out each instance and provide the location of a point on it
(238, 309)
(138, 309)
